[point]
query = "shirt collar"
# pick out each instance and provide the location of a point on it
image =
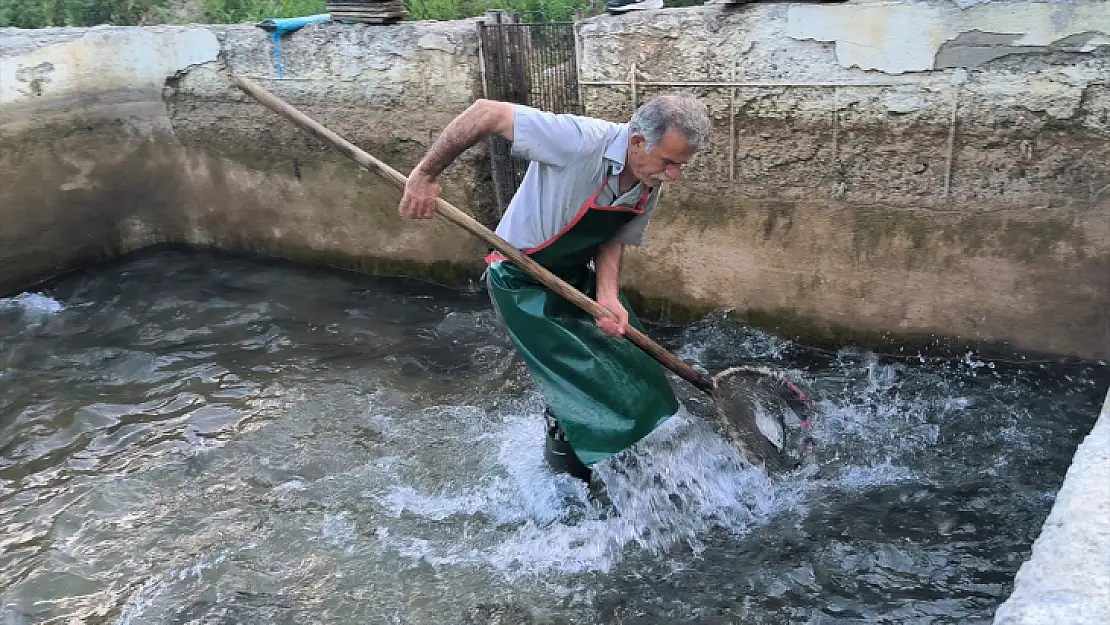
(617, 150)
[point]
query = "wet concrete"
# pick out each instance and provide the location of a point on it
(1067, 577)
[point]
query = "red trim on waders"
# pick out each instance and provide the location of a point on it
(590, 204)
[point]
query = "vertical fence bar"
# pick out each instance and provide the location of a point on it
(480, 26)
(577, 31)
(635, 94)
(952, 139)
(732, 125)
(835, 129)
(496, 66)
(577, 66)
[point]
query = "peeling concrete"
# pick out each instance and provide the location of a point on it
(98, 61)
(899, 37)
(974, 48)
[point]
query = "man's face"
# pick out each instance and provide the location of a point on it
(663, 162)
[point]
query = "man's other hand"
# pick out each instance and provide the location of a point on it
(607, 325)
(419, 199)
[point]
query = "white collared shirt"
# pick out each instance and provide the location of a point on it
(570, 157)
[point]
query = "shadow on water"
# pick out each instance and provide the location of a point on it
(187, 437)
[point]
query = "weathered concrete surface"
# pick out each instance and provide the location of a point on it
(906, 37)
(388, 90)
(79, 65)
(831, 204)
(89, 165)
(1067, 578)
(116, 138)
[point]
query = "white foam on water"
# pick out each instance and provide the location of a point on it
(854, 478)
(33, 305)
(340, 531)
(890, 419)
(672, 488)
(974, 363)
(145, 598)
(714, 333)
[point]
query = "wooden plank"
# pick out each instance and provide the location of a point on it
(364, 16)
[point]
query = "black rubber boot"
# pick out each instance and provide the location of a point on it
(558, 453)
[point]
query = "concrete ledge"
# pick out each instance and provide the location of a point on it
(1067, 579)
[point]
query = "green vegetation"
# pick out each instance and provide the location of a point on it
(240, 11)
(41, 13)
(45, 13)
(459, 9)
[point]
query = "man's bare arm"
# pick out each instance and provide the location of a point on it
(471, 126)
(608, 268)
(608, 263)
(477, 122)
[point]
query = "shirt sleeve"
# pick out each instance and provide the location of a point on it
(553, 138)
(632, 233)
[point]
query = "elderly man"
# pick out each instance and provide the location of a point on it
(590, 189)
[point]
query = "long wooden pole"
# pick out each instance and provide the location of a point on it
(656, 351)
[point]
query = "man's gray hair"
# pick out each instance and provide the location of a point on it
(678, 112)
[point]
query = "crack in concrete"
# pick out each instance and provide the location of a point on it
(975, 48)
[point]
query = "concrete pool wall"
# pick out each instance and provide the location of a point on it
(900, 167)
(866, 180)
(112, 139)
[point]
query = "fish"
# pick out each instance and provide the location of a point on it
(768, 416)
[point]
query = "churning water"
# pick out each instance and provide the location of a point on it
(196, 438)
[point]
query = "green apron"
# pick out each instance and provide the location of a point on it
(606, 392)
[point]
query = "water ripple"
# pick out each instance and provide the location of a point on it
(255, 442)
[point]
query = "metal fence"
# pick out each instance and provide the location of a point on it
(525, 62)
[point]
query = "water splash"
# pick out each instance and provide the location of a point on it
(387, 466)
(714, 338)
(676, 489)
(32, 304)
(31, 309)
(145, 598)
(678, 483)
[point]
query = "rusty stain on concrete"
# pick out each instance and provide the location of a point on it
(35, 76)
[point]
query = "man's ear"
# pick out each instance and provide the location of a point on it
(637, 140)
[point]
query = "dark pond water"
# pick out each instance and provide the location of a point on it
(188, 437)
